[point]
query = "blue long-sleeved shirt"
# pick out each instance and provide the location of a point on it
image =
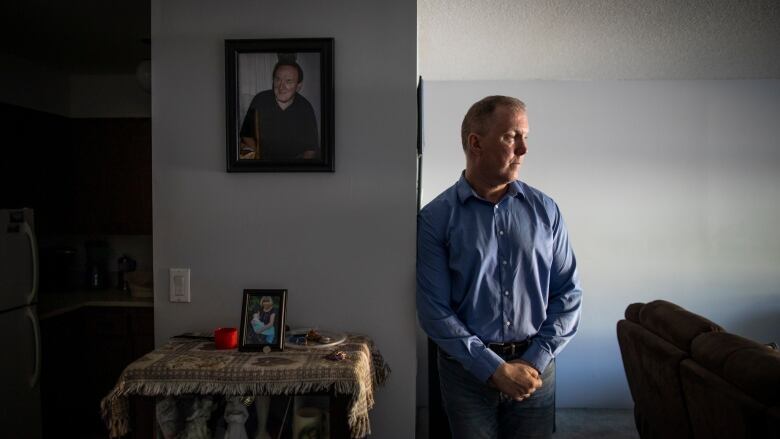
(493, 273)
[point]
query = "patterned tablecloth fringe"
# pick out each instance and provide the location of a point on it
(116, 414)
(381, 369)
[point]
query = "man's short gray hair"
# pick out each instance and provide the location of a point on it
(478, 114)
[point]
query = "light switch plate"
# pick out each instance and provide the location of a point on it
(179, 284)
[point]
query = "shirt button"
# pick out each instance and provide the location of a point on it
(509, 323)
(500, 232)
(495, 206)
(506, 293)
(503, 262)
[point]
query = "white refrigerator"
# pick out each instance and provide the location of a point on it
(20, 341)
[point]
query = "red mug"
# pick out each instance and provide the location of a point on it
(226, 338)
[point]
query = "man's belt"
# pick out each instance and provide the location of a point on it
(509, 349)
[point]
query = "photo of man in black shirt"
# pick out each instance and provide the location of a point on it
(280, 123)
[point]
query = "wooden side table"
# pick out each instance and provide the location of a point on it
(187, 367)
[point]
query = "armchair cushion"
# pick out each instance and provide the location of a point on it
(674, 324)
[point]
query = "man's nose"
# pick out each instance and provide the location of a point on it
(521, 147)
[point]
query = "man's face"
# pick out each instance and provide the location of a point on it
(501, 149)
(286, 83)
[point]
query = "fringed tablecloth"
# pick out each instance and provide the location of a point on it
(186, 366)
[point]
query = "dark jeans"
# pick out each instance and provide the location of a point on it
(476, 410)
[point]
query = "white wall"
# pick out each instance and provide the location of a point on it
(670, 190)
(342, 243)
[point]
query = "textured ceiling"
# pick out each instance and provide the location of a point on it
(598, 39)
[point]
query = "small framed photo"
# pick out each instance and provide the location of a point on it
(262, 320)
(279, 105)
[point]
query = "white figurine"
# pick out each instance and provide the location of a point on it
(236, 415)
(167, 417)
(196, 426)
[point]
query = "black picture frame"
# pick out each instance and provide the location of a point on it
(263, 137)
(255, 315)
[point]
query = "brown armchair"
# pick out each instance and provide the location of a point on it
(691, 379)
(654, 339)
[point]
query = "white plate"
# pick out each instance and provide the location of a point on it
(292, 336)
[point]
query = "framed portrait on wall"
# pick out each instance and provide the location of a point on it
(280, 106)
(262, 320)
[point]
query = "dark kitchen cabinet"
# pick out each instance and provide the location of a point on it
(36, 167)
(63, 405)
(112, 176)
(84, 352)
(82, 176)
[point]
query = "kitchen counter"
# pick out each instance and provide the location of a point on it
(54, 304)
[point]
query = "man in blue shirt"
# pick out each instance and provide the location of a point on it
(497, 283)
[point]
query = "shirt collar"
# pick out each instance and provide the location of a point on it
(465, 191)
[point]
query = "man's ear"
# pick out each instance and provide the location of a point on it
(473, 141)
(299, 87)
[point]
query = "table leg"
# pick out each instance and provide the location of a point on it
(262, 406)
(339, 427)
(143, 422)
